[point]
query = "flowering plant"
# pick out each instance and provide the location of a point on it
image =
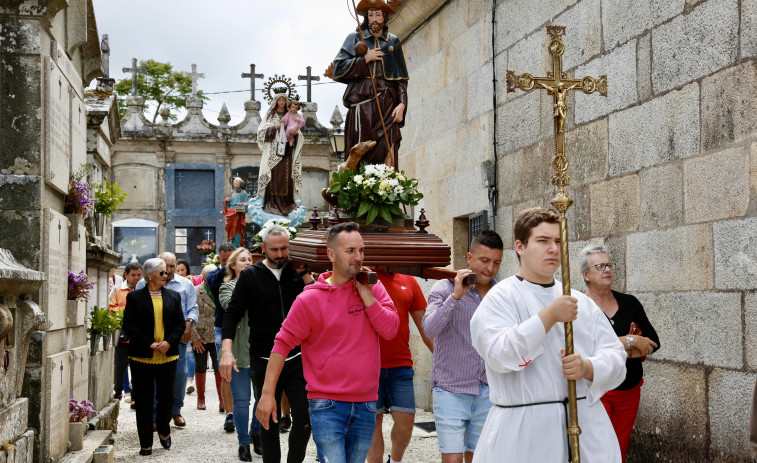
(79, 199)
(291, 231)
(80, 411)
(377, 190)
(212, 259)
(207, 247)
(79, 286)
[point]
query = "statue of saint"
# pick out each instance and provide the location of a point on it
(281, 163)
(384, 56)
(235, 208)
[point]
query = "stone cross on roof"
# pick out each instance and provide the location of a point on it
(252, 77)
(309, 78)
(194, 75)
(134, 71)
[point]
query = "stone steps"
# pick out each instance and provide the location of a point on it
(92, 443)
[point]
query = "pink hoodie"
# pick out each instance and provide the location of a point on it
(340, 339)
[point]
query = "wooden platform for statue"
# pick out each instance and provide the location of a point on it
(402, 249)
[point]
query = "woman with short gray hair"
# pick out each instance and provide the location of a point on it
(154, 322)
(629, 321)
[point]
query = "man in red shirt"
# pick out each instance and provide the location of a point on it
(395, 391)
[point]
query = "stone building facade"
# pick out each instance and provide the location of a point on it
(177, 176)
(663, 171)
(49, 128)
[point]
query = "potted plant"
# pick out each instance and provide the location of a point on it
(376, 191)
(79, 287)
(117, 324)
(79, 198)
(108, 196)
(100, 325)
(78, 413)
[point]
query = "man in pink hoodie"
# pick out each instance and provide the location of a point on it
(338, 322)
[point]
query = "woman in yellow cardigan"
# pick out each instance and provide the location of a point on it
(154, 322)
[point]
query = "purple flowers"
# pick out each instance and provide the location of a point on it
(79, 199)
(79, 286)
(80, 411)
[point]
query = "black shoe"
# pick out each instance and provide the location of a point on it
(144, 452)
(244, 453)
(285, 423)
(228, 425)
(256, 444)
(165, 443)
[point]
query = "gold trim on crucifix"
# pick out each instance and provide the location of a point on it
(558, 85)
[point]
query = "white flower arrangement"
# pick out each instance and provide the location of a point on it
(290, 231)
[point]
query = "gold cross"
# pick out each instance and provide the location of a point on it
(558, 85)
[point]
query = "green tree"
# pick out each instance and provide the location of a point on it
(161, 87)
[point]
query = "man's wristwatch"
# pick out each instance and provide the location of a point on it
(629, 340)
(190, 320)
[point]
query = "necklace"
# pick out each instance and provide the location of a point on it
(155, 293)
(605, 305)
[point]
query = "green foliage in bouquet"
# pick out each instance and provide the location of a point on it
(376, 191)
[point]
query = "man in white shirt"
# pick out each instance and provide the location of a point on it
(518, 330)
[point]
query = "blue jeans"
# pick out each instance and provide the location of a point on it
(190, 363)
(180, 382)
(127, 383)
(342, 431)
(395, 390)
(219, 341)
(240, 390)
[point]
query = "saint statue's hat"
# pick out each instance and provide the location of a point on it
(365, 5)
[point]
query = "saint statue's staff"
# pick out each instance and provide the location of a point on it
(558, 84)
(373, 83)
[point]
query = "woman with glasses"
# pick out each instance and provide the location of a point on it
(154, 322)
(629, 321)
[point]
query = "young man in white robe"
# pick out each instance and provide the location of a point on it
(518, 330)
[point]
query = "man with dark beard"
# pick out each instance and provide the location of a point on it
(384, 58)
(266, 291)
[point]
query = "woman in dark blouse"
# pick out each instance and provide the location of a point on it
(621, 310)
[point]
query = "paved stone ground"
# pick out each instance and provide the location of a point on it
(203, 439)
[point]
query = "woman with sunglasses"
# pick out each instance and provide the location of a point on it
(622, 310)
(154, 322)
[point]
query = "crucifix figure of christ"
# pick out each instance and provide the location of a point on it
(194, 75)
(253, 77)
(558, 85)
(134, 71)
(309, 78)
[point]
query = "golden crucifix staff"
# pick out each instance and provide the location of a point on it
(389, 147)
(558, 85)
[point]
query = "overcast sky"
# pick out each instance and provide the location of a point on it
(223, 37)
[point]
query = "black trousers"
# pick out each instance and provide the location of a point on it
(201, 360)
(121, 362)
(149, 380)
(291, 381)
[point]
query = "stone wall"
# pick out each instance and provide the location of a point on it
(49, 52)
(662, 170)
